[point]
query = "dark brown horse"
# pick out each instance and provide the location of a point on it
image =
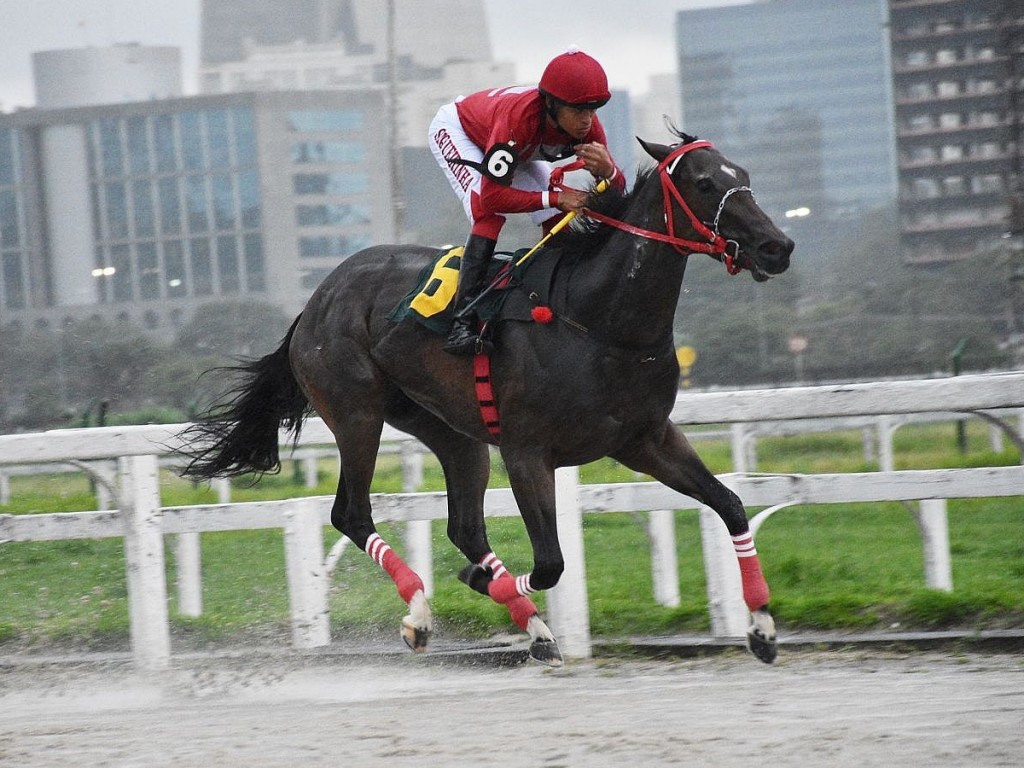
(600, 380)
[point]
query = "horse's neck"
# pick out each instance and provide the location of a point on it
(629, 290)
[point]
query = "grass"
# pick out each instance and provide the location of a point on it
(851, 566)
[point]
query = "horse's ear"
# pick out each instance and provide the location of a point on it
(686, 138)
(658, 151)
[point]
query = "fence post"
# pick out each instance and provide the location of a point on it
(886, 428)
(311, 469)
(189, 570)
(744, 455)
(222, 485)
(144, 559)
(661, 527)
(307, 577)
(934, 525)
(568, 612)
(418, 533)
(729, 615)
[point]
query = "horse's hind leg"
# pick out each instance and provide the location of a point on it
(357, 435)
(466, 465)
(672, 461)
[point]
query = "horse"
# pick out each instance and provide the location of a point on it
(597, 377)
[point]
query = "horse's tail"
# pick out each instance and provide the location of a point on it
(239, 434)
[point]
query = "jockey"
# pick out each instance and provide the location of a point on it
(497, 150)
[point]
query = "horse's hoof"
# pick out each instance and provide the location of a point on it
(415, 637)
(761, 637)
(477, 577)
(546, 652)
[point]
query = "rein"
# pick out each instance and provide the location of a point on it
(713, 244)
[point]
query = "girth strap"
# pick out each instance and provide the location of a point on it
(485, 395)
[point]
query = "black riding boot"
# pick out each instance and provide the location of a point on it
(462, 338)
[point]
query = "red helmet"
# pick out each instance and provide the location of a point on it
(576, 79)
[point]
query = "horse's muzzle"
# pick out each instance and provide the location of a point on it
(772, 257)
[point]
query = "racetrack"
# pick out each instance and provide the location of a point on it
(827, 708)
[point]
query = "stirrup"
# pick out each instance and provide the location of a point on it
(464, 345)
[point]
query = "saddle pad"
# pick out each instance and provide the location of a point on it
(431, 301)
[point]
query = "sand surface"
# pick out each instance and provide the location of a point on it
(848, 708)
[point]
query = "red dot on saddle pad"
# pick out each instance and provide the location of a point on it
(542, 314)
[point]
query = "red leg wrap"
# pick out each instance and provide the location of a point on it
(521, 609)
(405, 578)
(503, 590)
(755, 588)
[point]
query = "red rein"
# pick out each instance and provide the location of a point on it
(714, 244)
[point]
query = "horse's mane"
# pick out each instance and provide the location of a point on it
(586, 237)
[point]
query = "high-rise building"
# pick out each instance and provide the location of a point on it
(440, 50)
(958, 88)
(798, 92)
(429, 34)
(141, 211)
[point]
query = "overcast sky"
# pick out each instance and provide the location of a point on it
(632, 38)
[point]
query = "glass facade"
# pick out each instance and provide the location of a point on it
(797, 91)
(176, 204)
(957, 87)
(139, 211)
(331, 181)
(13, 246)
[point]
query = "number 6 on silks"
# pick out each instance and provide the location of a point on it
(499, 164)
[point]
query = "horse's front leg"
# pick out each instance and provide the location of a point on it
(670, 459)
(533, 484)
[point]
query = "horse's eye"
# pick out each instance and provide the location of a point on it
(705, 185)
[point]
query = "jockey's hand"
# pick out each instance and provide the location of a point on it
(596, 159)
(570, 199)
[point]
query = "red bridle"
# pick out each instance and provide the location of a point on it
(713, 244)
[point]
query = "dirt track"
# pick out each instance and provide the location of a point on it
(810, 709)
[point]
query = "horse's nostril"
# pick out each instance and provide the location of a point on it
(780, 248)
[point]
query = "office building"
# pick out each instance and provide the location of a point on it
(958, 88)
(141, 211)
(798, 92)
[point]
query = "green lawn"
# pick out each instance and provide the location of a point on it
(837, 566)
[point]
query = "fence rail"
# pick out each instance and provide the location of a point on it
(143, 523)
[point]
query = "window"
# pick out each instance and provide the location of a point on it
(245, 136)
(163, 143)
(195, 201)
(149, 272)
(170, 205)
(14, 283)
(121, 261)
(217, 136)
(138, 145)
(331, 215)
(142, 204)
(110, 148)
(334, 246)
(223, 188)
(318, 121)
(249, 198)
(256, 278)
(117, 210)
(7, 155)
(227, 265)
(9, 230)
(202, 268)
(191, 141)
(327, 152)
(330, 183)
(174, 269)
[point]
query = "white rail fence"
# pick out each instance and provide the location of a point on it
(143, 523)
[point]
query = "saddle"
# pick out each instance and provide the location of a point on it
(520, 293)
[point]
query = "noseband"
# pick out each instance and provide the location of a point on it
(714, 244)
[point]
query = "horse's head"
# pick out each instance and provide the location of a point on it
(715, 195)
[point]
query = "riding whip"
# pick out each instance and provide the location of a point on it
(562, 223)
